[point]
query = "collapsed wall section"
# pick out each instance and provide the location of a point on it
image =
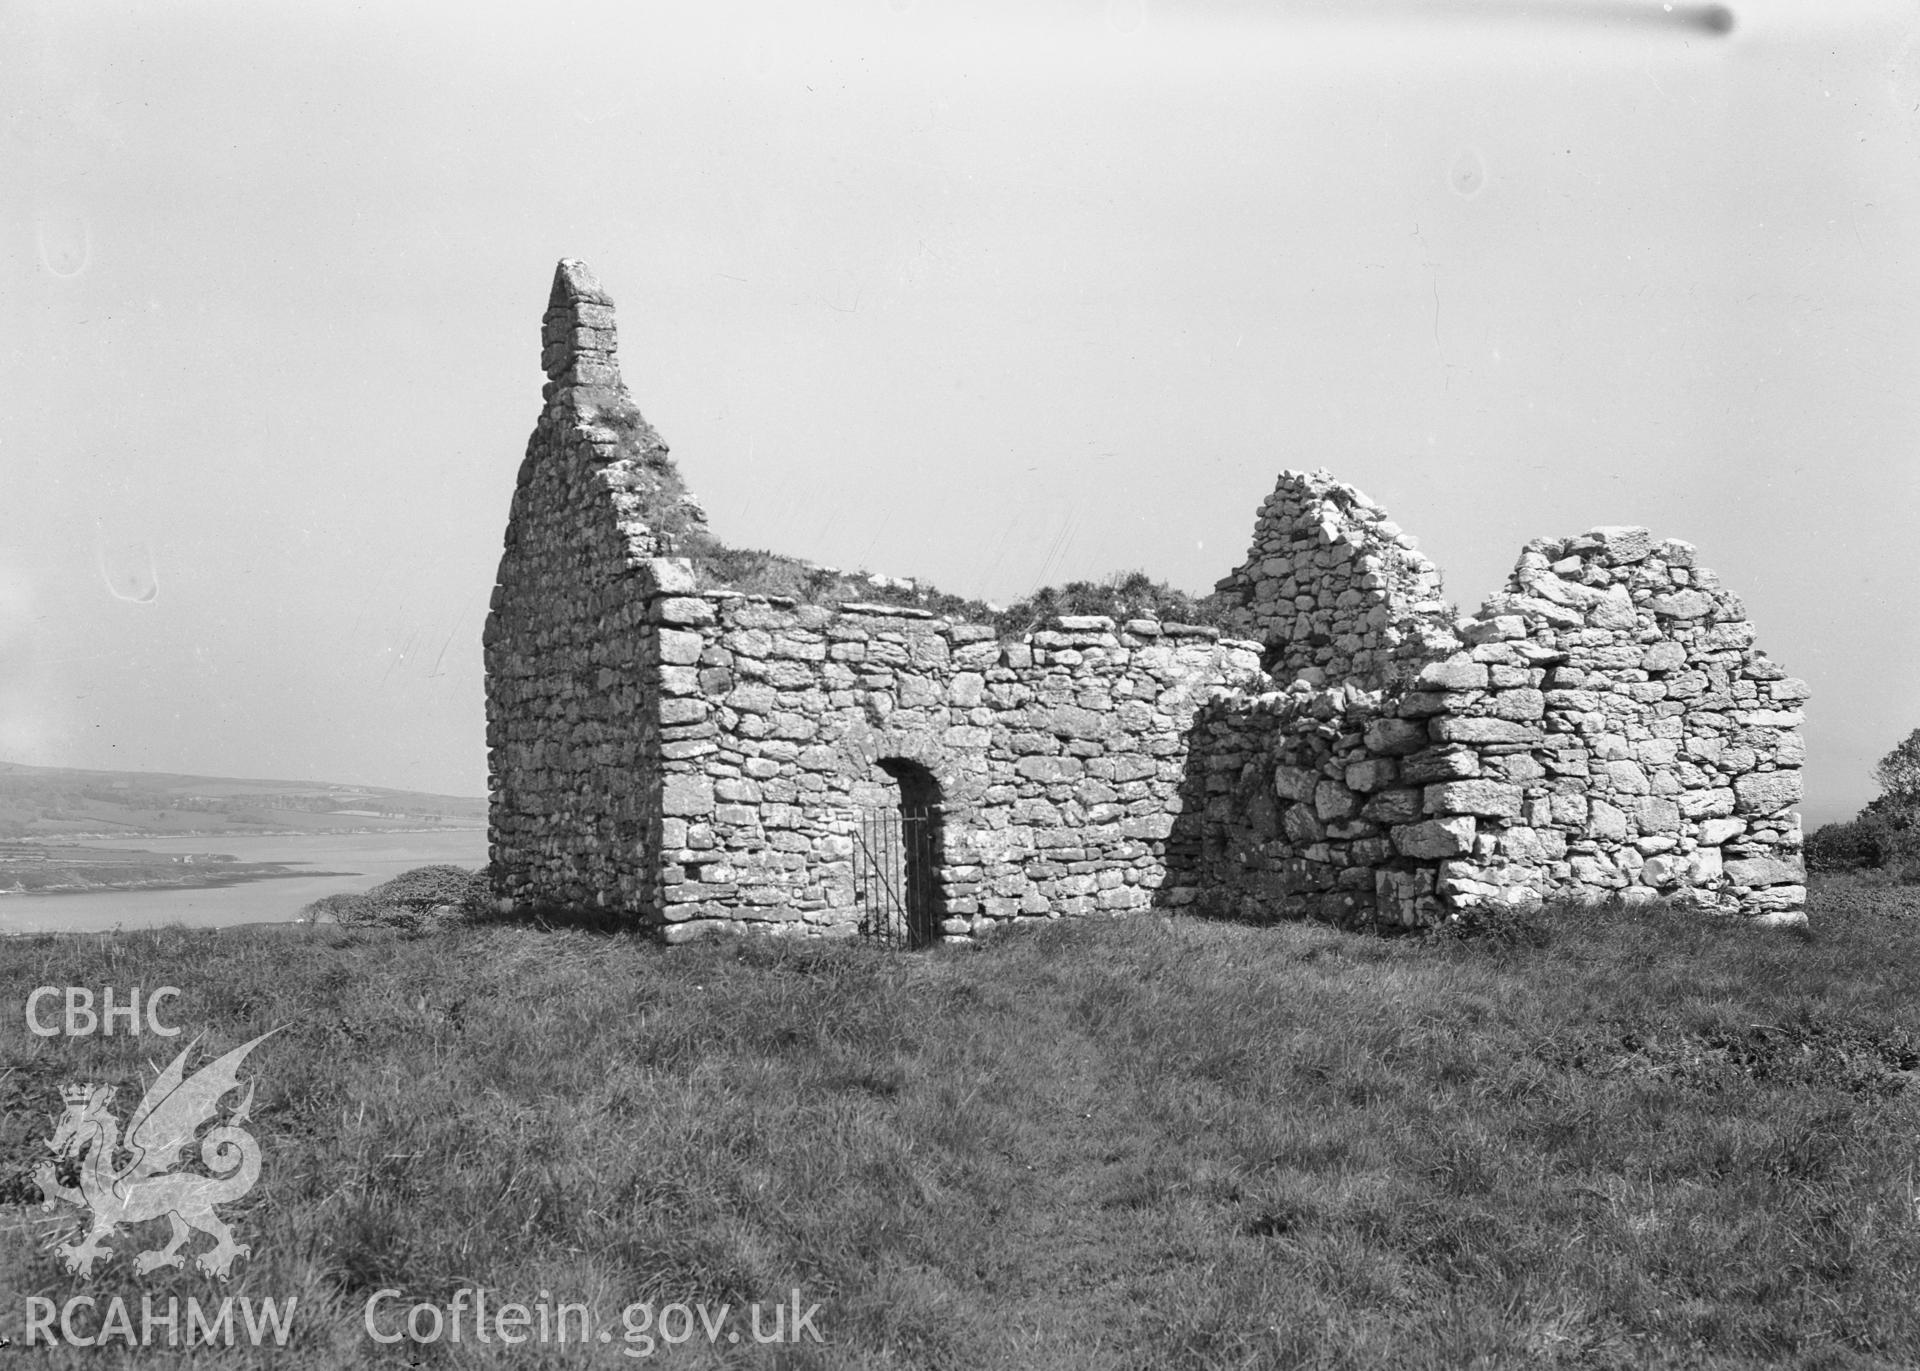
(1659, 746)
(1604, 727)
(1059, 759)
(1332, 588)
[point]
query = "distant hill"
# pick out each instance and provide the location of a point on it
(42, 801)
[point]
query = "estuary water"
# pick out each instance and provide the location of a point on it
(370, 858)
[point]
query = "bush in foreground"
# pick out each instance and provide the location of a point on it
(1885, 835)
(413, 899)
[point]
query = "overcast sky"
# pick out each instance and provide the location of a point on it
(994, 295)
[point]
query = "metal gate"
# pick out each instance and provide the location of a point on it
(893, 874)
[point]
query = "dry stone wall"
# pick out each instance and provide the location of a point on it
(1603, 727)
(691, 759)
(568, 719)
(1058, 758)
(1335, 589)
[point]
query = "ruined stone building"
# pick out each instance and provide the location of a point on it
(687, 757)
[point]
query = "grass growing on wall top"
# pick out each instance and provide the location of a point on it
(1123, 596)
(1637, 1139)
(677, 519)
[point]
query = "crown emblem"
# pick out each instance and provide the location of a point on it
(77, 1094)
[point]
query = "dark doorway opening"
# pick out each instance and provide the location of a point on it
(897, 860)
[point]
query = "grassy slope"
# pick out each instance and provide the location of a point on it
(1152, 1143)
(38, 801)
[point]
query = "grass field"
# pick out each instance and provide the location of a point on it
(1614, 1140)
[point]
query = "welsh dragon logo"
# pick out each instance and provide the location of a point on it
(146, 1186)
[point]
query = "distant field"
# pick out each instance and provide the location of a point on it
(48, 868)
(1614, 1140)
(39, 802)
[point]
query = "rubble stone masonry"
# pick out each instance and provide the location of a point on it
(1058, 758)
(692, 758)
(1604, 726)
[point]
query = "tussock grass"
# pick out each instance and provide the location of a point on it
(1629, 1139)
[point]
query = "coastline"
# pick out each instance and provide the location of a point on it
(43, 839)
(153, 887)
(213, 879)
(78, 863)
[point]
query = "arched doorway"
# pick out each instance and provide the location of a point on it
(897, 858)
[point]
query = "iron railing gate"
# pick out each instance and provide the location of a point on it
(893, 873)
